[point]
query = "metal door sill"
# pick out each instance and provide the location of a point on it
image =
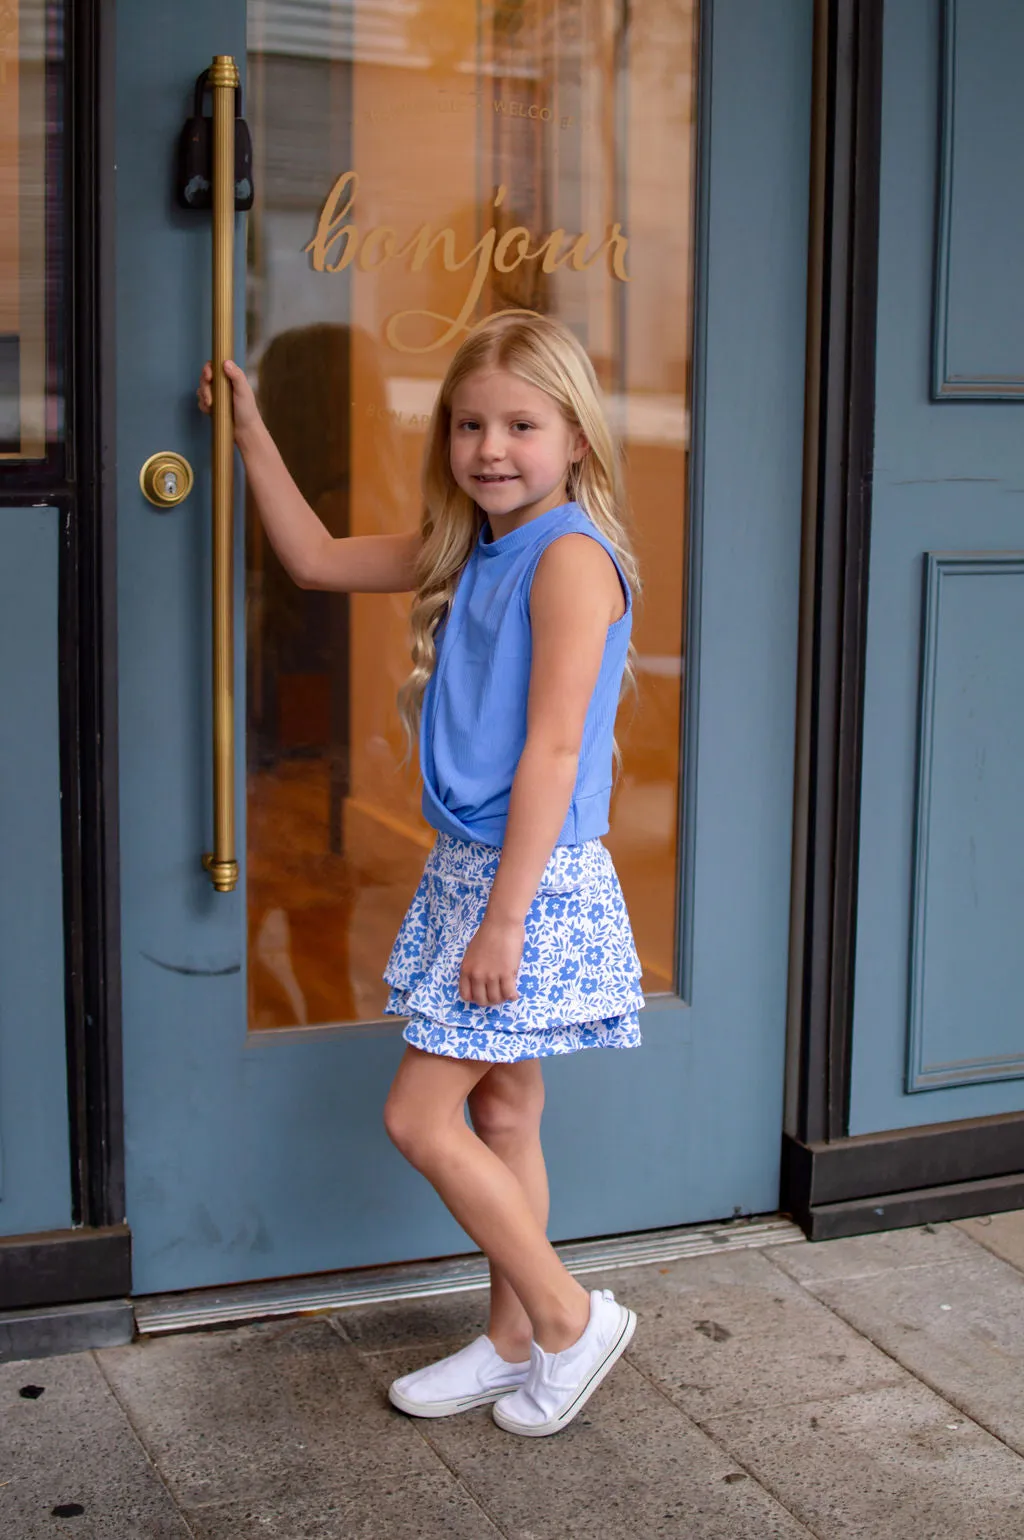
(160, 1313)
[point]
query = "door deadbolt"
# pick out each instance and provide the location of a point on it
(166, 479)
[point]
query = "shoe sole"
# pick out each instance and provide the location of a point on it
(555, 1424)
(447, 1408)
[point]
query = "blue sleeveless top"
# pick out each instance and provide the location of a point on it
(473, 727)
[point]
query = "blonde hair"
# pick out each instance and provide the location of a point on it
(544, 353)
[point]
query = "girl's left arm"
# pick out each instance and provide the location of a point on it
(576, 595)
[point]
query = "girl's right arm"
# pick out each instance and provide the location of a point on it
(311, 556)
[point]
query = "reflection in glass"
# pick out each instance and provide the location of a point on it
(418, 168)
(30, 254)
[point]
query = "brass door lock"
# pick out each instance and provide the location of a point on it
(166, 479)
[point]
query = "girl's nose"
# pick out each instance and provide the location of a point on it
(492, 445)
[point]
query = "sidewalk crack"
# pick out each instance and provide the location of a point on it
(949, 1399)
(423, 1433)
(747, 1469)
(125, 1412)
(983, 1245)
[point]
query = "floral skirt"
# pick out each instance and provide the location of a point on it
(579, 980)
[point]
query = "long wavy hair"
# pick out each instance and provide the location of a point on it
(544, 353)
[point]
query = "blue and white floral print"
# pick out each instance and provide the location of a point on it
(579, 980)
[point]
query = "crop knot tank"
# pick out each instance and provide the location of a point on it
(473, 727)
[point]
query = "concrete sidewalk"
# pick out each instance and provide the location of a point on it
(866, 1388)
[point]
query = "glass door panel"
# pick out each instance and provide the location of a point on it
(417, 170)
(31, 230)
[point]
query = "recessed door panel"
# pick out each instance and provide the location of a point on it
(35, 1160)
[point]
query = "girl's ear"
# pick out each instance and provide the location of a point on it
(580, 447)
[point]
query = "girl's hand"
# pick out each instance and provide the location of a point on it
(246, 412)
(491, 963)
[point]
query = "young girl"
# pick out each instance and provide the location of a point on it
(517, 943)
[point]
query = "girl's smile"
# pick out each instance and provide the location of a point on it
(510, 447)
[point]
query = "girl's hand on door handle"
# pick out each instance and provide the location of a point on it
(246, 412)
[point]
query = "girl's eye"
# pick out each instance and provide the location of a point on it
(469, 423)
(526, 425)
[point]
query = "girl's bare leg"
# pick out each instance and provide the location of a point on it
(506, 1107)
(424, 1118)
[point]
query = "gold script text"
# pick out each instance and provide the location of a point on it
(339, 243)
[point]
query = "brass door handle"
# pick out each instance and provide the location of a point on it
(221, 864)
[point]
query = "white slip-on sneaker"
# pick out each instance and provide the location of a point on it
(559, 1384)
(474, 1376)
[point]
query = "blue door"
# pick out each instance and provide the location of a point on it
(647, 182)
(939, 1026)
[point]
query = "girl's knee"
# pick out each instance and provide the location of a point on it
(402, 1125)
(425, 1105)
(416, 1131)
(508, 1105)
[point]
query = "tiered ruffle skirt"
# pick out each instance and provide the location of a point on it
(579, 980)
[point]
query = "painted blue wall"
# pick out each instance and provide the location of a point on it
(35, 1172)
(942, 838)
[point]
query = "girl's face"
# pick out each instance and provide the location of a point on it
(511, 448)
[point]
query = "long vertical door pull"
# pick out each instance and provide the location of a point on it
(221, 864)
